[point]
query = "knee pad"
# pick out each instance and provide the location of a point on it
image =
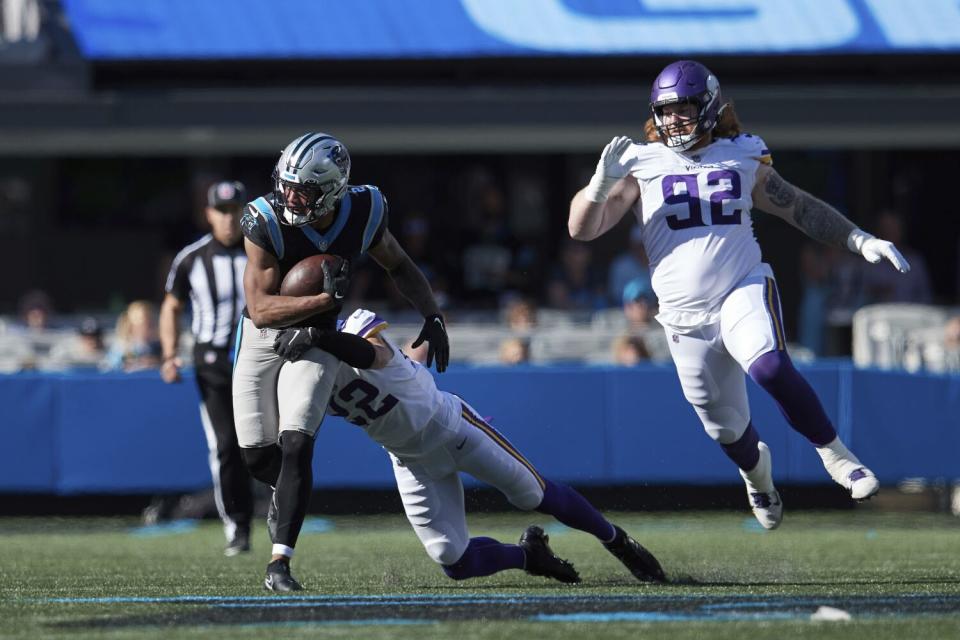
(296, 447)
(263, 462)
(528, 499)
(445, 553)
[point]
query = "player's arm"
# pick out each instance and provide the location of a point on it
(414, 286)
(600, 205)
(405, 274)
(170, 312)
(589, 220)
(261, 282)
(817, 219)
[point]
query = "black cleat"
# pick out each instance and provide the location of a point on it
(273, 517)
(635, 557)
(279, 578)
(239, 544)
(540, 559)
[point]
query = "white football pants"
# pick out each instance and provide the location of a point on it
(712, 359)
(432, 493)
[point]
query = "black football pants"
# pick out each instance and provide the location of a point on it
(231, 481)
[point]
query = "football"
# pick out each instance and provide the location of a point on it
(306, 277)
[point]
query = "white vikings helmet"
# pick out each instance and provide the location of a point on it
(310, 178)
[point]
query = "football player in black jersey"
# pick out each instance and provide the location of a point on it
(278, 405)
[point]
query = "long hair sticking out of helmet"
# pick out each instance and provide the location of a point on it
(685, 82)
(728, 125)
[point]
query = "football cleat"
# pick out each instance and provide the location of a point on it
(761, 494)
(273, 517)
(847, 471)
(635, 557)
(540, 559)
(239, 544)
(279, 578)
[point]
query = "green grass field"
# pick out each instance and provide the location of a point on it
(898, 575)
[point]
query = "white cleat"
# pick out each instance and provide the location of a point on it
(761, 494)
(847, 471)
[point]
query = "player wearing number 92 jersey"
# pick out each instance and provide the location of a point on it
(431, 436)
(691, 185)
(682, 196)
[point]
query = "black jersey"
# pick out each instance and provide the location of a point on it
(359, 224)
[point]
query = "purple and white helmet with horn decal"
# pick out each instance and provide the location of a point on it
(686, 81)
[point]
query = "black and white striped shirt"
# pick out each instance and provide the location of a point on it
(211, 275)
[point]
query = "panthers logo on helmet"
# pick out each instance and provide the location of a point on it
(340, 157)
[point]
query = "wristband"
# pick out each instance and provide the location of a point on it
(856, 239)
(599, 187)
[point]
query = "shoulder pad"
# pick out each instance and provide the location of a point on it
(363, 323)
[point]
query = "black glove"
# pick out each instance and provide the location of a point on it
(336, 280)
(435, 334)
(291, 344)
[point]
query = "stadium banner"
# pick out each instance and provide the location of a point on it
(131, 433)
(381, 29)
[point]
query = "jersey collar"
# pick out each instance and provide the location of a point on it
(322, 241)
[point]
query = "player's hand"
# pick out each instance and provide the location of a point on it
(291, 344)
(609, 169)
(336, 280)
(874, 250)
(609, 165)
(438, 345)
(170, 369)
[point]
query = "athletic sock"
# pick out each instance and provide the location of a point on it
(744, 452)
(573, 510)
(484, 557)
(774, 371)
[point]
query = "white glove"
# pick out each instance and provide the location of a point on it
(609, 170)
(874, 249)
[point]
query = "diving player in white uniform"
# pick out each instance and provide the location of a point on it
(431, 436)
(691, 186)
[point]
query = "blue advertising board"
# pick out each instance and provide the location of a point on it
(381, 29)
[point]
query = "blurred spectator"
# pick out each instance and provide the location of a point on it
(951, 345)
(21, 20)
(629, 351)
(34, 332)
(816, 290)
(136, 343)
(640, 310)
(34, 310)
(415, 239)
(575, 283)
(520, 314)
(630, 265)
(514, 351)
(639, 304)
(86, 349)
(882, 283)
(487, 256)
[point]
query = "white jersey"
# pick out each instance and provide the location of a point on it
(696, 223)
(399, 405)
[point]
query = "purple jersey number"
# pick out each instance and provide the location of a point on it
(691, 198)
(366, 394)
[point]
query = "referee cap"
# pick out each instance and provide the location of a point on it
(227, 192)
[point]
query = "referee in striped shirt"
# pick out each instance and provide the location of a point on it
(209, 273)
